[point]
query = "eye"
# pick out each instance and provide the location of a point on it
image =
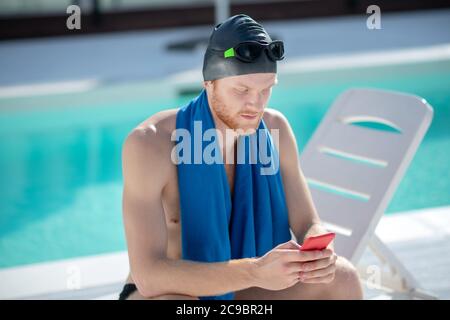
(241, 90)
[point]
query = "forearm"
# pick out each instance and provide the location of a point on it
(168, 276)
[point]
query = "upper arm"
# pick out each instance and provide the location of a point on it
(144, 174)
(301, 209)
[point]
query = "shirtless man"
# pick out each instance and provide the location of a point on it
(151, 206)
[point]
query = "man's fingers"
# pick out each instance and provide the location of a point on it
(319, 273)
(306, 266)
(326, 279)
(317, 264)
(295, 255)
(309, 266)
(325, 252)
(315, 255)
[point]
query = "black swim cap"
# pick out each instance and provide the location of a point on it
(228, 34)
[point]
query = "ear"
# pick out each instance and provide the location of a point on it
(208, 84)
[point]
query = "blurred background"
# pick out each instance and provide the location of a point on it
(68, 99)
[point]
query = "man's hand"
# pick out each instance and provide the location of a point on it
(285, 265)
(320, 270)
(280, 267)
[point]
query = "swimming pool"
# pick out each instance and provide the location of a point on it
(60, 160)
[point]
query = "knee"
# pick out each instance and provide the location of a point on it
(346, 283)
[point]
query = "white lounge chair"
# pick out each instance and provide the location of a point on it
(353, 164)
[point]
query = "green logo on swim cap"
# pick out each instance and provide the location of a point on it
(229, 53)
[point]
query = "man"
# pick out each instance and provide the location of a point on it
(203, 229)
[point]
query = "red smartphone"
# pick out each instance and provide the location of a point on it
(319, 242)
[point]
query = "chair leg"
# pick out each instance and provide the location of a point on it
(399, 279)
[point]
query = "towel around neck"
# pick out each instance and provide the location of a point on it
(215, 225)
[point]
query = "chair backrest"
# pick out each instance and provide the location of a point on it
(356, 158)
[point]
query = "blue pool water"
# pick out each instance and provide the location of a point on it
(60, 164)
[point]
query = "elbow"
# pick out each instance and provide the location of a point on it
(144, 290)
(148, 282)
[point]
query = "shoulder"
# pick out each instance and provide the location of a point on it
(153, 133)
(274, 119)
(148, 146)
(287, 143)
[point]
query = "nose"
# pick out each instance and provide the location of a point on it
(254, 103)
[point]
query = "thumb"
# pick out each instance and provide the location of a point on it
(291, 244)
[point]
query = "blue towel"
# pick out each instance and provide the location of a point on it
(214, 226)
